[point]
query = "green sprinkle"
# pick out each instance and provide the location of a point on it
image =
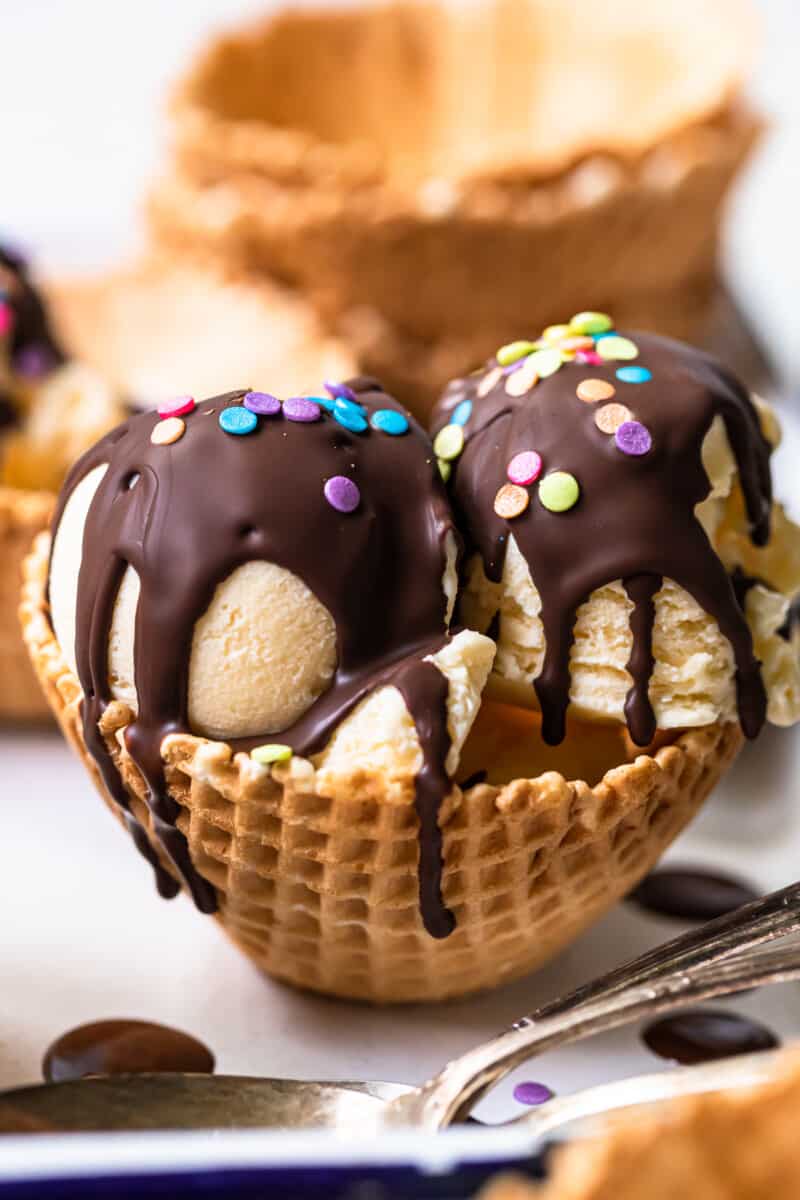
(591, 322)
(445, 468)
(273, 752)
(615, 347)
(545, 362)
(559, 491)
(513, 352)
(449, 442)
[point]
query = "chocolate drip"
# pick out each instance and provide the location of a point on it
(185, 516)
(639, 713)
(636, 515)
(702, 1035)
(124, 1048)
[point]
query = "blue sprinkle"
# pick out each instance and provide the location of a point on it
(634, 374)
(350, 406)
(238, 420)
(598, 337)
(461, 413)
(349, 419)
(389, 421)
(324, 402)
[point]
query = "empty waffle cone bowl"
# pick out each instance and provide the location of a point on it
(316, 874)
(462, 171)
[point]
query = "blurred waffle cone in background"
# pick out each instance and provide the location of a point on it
(438, 179)
(316, 870)
(22, 515)
(162, 328)
(736, 1145)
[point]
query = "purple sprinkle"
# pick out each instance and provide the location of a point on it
(262, 404)
(633, 438)
(340, 391)
(342, 494)
(300, 409)
(532, 1093)
(33, 361)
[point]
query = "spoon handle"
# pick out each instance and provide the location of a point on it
(726, 955)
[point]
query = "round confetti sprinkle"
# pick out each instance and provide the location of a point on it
(6, 319)
(513, 352)
(302, 410)
(633, 438)
(523, 380)
(589, 358)
(461, 413)
(262, 403)
(272, 752)
(609, 418)
(389, 421)
(237, 420)
(489, 382)
(340, 391)
(350, 420)
(342, 494)
(167, 432)
(532, 1093)
(555, 333)
(616, 347)
(545, 362)
(559, 492)
(449, 442)
(634, 374)
(573, 344)
(511, 501)
(591, 322)
(525, 468)
(342, 404)
(33, 361)
(593, 390)
(445, 468)
(178, 407)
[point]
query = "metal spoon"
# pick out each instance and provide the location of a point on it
(724, 956)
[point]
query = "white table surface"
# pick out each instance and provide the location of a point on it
(84, 935)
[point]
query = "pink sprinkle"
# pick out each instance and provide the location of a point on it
(589, 358)
(6, 319)
(525, 468)
(178, 407)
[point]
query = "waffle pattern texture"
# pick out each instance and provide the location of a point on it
(22, 515)
(320, 890)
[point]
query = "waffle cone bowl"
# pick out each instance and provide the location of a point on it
(319, 887)
(503, 162)
(23, 514)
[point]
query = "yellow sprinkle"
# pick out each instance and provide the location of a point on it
(591, 322)
(609, 418)
(614, 347)
(545, 362)
(513, 352)
(167, 432)
(554, 333)
(511, 501)
(449, 442)
(489, 382)
(273, 752)
(521, 382)
(445, 469)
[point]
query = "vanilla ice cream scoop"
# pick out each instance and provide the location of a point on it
(276, 575)
(609, 488)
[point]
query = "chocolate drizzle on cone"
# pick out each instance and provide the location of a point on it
(185, 516)
(635, 519)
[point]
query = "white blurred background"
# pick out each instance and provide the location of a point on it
(84, 84)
